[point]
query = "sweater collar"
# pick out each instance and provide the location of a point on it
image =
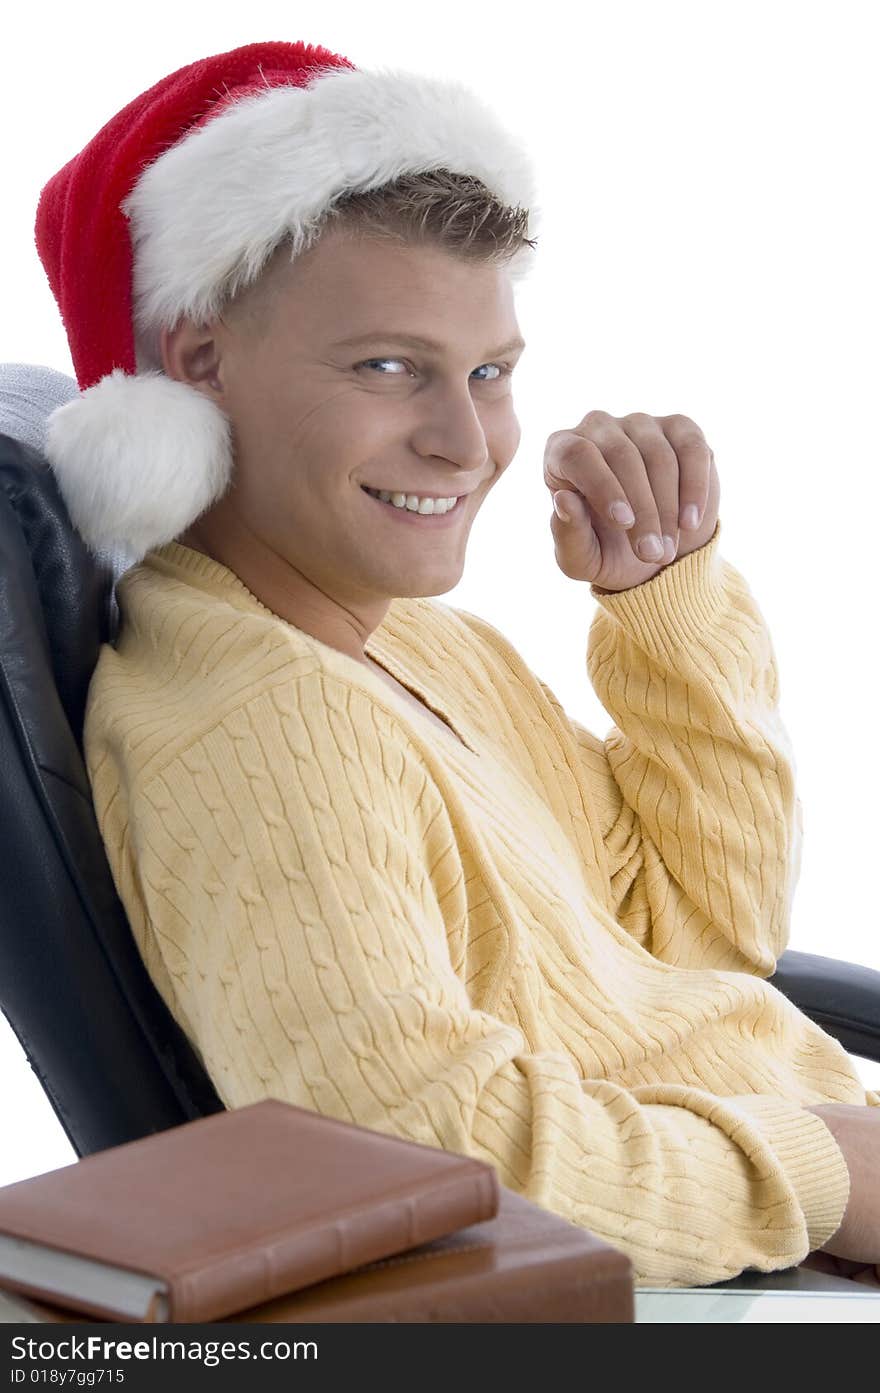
(389, 645)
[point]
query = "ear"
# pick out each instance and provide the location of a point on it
(191, 353)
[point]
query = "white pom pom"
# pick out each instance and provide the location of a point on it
(137, 459)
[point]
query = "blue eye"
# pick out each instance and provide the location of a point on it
(504, 370)
(370, 361)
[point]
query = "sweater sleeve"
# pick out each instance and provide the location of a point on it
(293, 882)
(692, 792)
(695, 784)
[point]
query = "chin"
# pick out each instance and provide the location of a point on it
(422, 587)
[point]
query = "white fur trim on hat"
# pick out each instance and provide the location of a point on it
(138, 459)
(208, 213)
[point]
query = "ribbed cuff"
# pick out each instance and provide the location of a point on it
(810, 1158)
(676, 606)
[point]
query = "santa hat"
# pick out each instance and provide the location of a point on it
(177, 203)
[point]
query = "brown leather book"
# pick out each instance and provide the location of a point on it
(525, 1266)
(207, 1219)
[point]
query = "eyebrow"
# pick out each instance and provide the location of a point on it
(414, 341)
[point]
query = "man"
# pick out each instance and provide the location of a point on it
(372, 865)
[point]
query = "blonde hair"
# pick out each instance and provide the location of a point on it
(453, 211)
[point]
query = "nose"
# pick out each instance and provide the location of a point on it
(450, 427)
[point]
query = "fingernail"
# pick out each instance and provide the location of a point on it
(623, 513)
(560, 511)
(669, 547)
(690, 517)
(650, 547)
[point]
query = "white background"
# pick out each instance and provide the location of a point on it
(709, 246)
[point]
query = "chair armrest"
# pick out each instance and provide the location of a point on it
(843, 998)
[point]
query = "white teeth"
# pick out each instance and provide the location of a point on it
(413, 503)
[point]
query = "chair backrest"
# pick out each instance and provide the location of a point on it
(111, 1058)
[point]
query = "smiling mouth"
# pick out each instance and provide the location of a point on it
(414, 503)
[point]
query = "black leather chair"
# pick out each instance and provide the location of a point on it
(109, 1055)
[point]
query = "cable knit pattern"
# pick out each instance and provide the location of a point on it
(534, 946)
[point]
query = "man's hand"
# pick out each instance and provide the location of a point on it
(654, 469)
(857, 1132)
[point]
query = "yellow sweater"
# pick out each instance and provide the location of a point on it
(540, 948)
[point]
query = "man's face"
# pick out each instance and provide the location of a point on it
(316, 421)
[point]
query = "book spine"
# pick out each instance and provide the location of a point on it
(331, 1246)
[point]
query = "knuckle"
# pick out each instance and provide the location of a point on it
(568, 447)
(573, 448)
(686, 429)
(599, 425)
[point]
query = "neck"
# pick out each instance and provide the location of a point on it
(289, 593)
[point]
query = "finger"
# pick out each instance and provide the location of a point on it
(573, 461)
(578, 551)
(661, 467)
(694, 462)
(626, 462)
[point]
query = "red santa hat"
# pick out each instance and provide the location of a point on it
(177, 203)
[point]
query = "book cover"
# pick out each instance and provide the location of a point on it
(230, 1211)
